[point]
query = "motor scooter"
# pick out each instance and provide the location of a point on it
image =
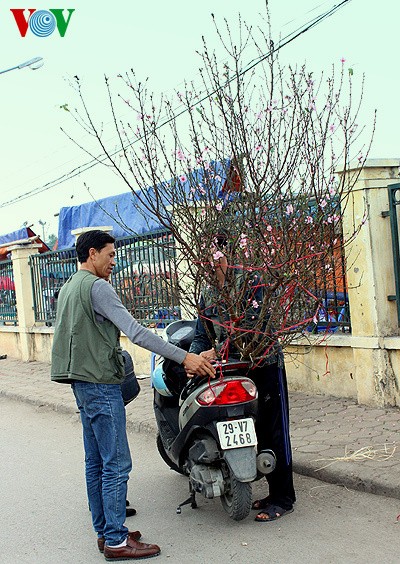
(206, 427)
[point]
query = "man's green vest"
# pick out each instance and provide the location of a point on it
(83, 348)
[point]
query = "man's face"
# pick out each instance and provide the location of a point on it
(103, 261)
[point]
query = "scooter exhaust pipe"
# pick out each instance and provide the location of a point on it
(266, 461)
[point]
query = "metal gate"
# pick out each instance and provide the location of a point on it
(394, 211)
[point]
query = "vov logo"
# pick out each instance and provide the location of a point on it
(42, 23)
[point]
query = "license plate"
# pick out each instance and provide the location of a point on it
(237, 433)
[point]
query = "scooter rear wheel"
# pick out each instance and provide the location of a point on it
(237, 499)
(166, 458)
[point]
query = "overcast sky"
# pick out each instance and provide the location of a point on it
(158, 39)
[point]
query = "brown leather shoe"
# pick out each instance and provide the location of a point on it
(134, 550)
(135, 535)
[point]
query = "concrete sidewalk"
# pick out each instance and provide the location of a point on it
(334, 440)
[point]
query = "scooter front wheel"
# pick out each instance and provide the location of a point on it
(237, 499)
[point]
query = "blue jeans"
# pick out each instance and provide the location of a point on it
(107, 456)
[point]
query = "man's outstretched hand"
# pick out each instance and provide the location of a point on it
(195, 364)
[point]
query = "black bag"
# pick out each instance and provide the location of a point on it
(130, 386)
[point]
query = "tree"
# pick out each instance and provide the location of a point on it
(51, 240)
(244, 166)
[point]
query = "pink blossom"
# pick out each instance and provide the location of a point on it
(289, 209)
(255, 304)
(182, 178)
(217, 255)
(342, 60)
(258, 148)
(323, 203)
(309, 219)
(139, 117)
(332, 127)
(332, 191)
(269, 228)
(218, 207)
(180, 156)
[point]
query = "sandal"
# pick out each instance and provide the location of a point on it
(261, 503)
(271, 513)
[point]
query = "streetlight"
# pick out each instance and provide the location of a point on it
(42, 223)
(33, 64)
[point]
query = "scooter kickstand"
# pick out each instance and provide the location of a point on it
(191, 500)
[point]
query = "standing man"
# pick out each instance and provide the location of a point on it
(87, 354)
(272, 423)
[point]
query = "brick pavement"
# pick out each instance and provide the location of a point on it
(333, 439)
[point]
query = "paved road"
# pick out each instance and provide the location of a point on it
(44, 517)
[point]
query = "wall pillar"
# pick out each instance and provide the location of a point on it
(370, 279)
(80, 230)
(24, 296)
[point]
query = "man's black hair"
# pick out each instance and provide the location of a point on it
(95, 239)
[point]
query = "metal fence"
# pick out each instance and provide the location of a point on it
(330, 286)
(393, 213)
(8, 309)
(49, 272)
(328, 283)
(144, 278)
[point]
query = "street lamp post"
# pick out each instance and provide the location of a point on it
(43, 223)
(33, 64)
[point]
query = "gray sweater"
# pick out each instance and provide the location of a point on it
(107, 305)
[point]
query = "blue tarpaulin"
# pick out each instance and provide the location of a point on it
(125, 212)
(19, 235)
(122, 212)
(22, 233)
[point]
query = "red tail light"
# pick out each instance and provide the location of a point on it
(228, 392)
